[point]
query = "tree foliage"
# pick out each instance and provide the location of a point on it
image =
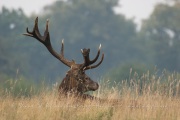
(128, 71)
(86, 24)
(11, 26)
(162, 29)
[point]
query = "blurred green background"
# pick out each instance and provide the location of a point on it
(86, 24)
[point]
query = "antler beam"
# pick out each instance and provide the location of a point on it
(46, 41)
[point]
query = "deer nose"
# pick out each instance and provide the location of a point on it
(95, 86)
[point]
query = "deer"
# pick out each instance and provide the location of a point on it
(76, 82)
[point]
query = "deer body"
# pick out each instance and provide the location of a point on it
(76, 81)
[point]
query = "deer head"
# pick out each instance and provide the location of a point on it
(75, 81)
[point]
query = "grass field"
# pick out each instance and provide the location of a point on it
(152, 100)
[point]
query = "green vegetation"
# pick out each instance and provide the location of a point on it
(127, 70)
(162, 29)
(18, 88)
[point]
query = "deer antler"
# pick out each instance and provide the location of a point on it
(88, 62)
(46, 41)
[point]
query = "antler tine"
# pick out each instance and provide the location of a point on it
(85, 53)
(94, 66)
(97, 56)
(46, 32)
(46, 38)
(62, 48)
(28, 33)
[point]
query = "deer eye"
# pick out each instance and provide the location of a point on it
(86, 78)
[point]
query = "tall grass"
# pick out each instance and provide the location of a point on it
(150, 96)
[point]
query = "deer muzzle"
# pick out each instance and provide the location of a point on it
(94, 86)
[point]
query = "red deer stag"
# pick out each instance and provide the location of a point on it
(76, 81)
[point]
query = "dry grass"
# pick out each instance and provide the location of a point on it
(48, 107)
(153, 101)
